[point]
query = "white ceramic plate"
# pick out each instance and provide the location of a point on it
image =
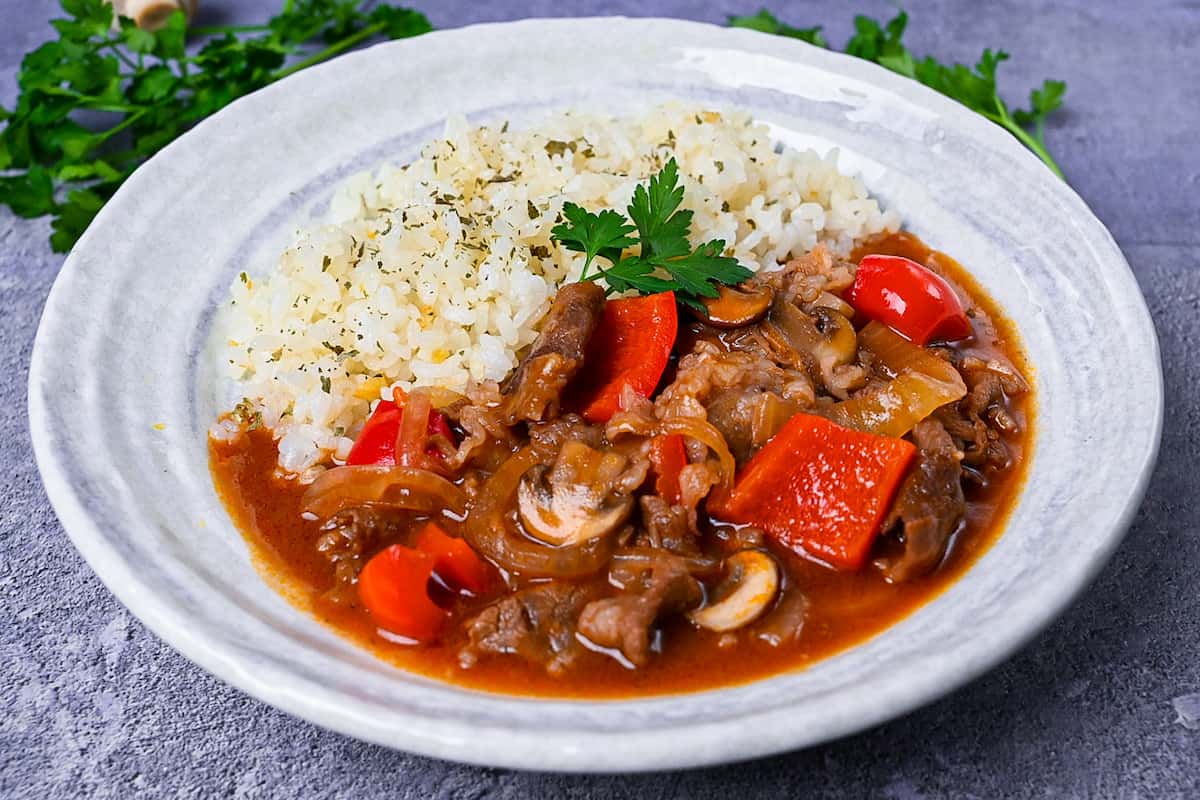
(120, 400)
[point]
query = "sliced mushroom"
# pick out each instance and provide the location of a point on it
(794, 330)
(745, 594)
(823, 341)
(586, 494)
(831, 300)
(737, 306)
(839, 342)
(564, 517)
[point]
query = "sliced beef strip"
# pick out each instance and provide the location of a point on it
(733, 390)
(535, 390)
(989, 393)
(536, 623)
(805, 278)
(553, 434)
(733, 412)
(625, 622)
(481, 420)
(981, 418)
(930, 503)
(666, 527)
(346, 539)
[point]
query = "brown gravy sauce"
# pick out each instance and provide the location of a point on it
(844, 608)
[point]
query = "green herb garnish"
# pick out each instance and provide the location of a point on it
(246, 415)
(975, 87)
(766, 22)
(100, 100)
(666, 261)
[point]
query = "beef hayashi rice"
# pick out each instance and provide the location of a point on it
(742, 422)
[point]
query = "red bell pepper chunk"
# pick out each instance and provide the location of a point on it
(454, 560)
(394, 586)
(820, 489)
(376, 444)
(912, 300)
(630, 347)
(668, 455)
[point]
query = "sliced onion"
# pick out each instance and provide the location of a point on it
(771, 413)
(441, 397)
(831, 300)
(647, 557)
(413, 435)
(899, 354)
(394, 487)
(923, 383)
(707, 434)
(490, 529)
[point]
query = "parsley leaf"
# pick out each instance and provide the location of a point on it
(1042, 101)
(101, 99)
(662, 228)
(634, 274)
(765, 22)
(975, 87)
(605, 234)
(699, 272)
(666, 261)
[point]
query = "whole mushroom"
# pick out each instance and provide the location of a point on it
(150, 15)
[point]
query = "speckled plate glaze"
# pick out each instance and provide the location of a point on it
(121, 389)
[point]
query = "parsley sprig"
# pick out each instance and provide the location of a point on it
(975, 87)
(766, 22)
(99, 100)
(666, 260)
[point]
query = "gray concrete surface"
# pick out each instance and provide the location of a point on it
(93, 705)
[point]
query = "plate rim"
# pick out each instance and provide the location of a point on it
(694, 743)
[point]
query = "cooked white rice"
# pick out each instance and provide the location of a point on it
(440, 271)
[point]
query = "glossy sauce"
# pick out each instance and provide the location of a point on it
(844, 608)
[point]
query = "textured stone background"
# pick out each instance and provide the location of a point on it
(94, 705)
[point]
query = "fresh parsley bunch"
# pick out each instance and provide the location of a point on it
(98, 101)
(666, 260)
(974, 87)
(101, 99)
